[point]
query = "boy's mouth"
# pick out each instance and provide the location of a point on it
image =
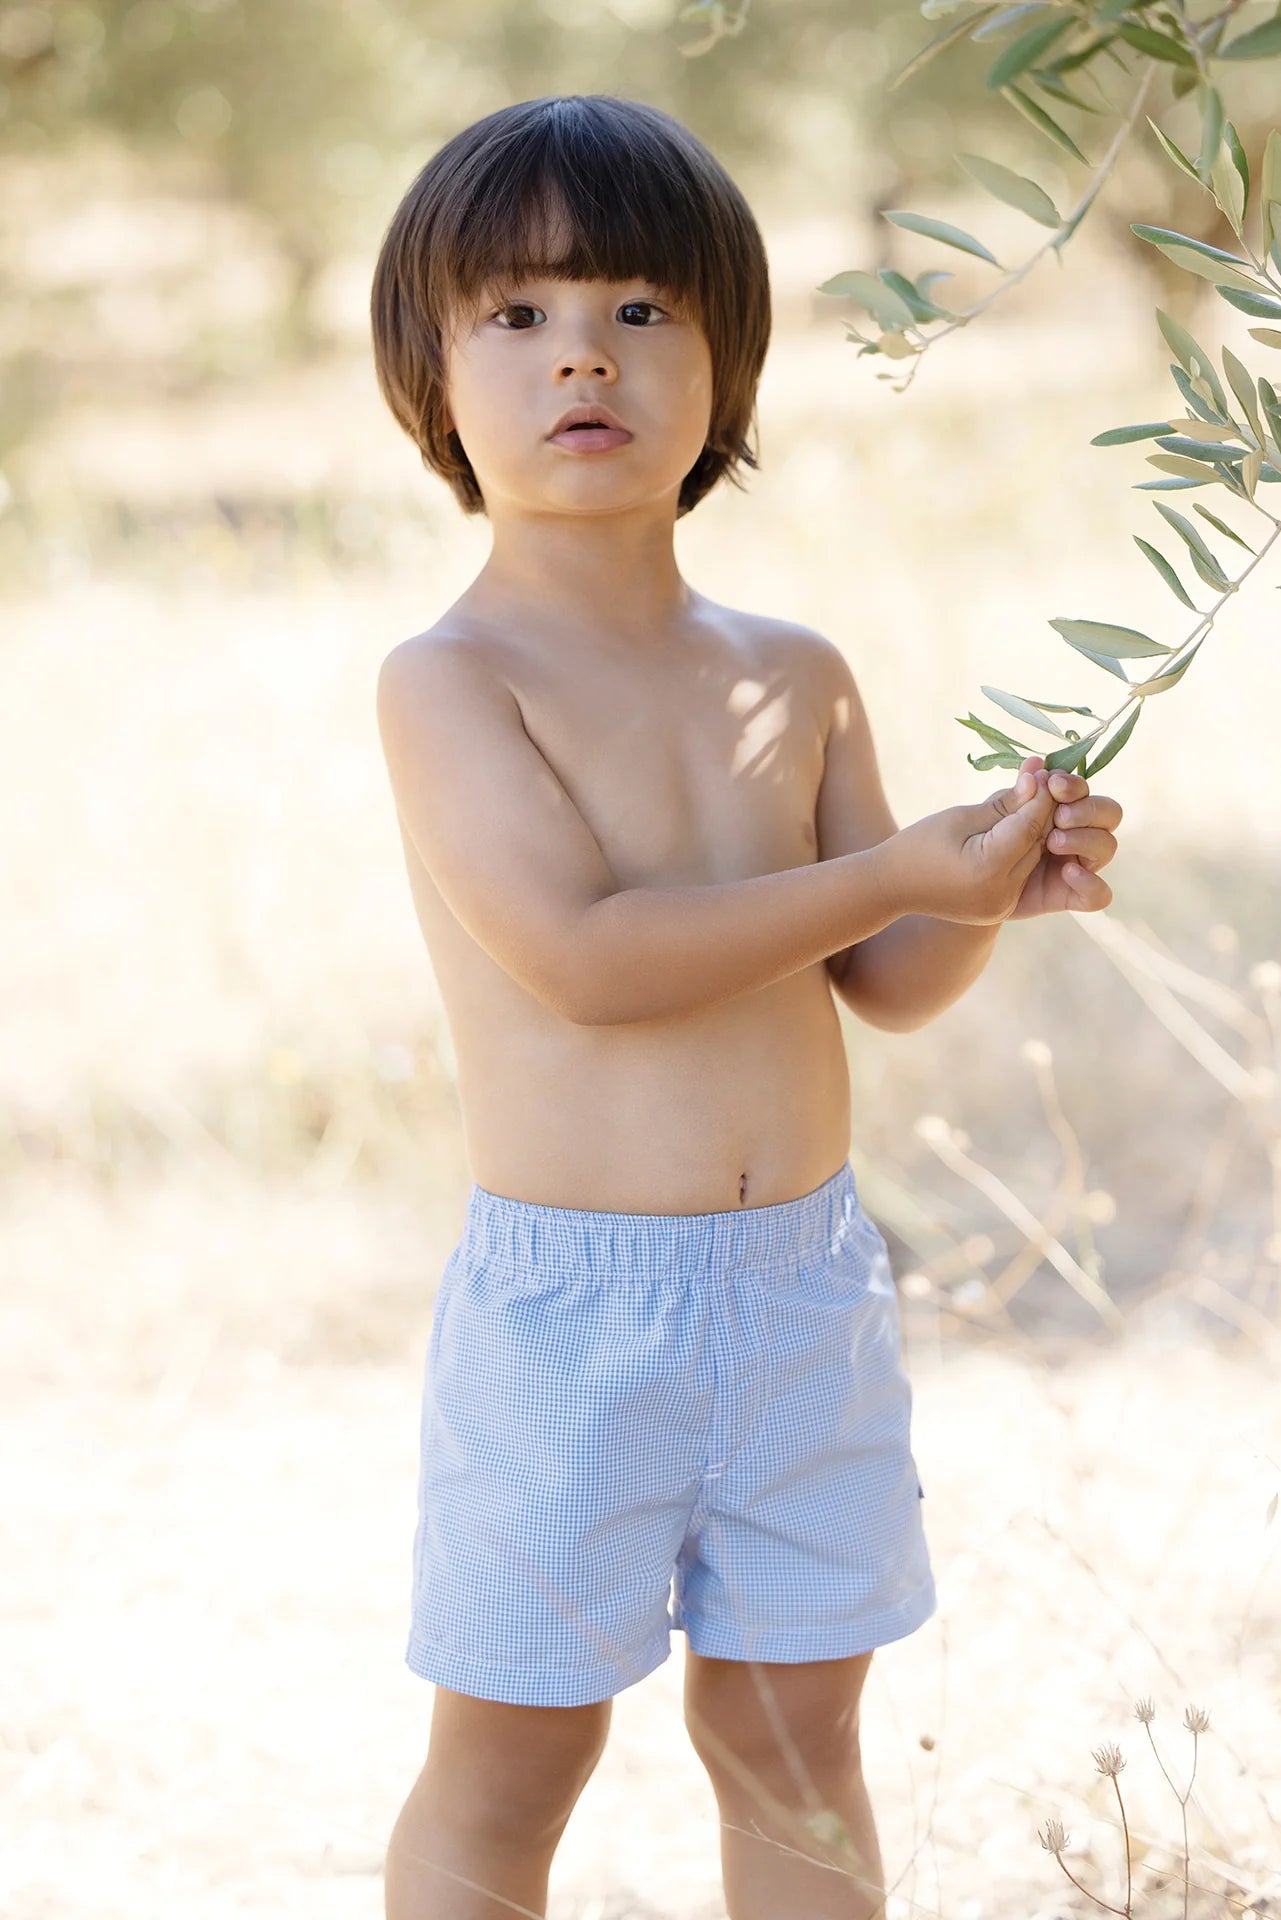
(588, 417)
(588, 438)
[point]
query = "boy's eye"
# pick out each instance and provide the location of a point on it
(521, 306)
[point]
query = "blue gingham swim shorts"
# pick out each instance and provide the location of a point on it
(640, 1422)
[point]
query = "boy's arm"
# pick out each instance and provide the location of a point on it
(520, 869)
(903, 974)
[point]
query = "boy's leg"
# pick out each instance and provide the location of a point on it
(475, 1838)
(780, 1744)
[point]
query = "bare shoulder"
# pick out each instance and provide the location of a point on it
(442, 657)
(805, 655)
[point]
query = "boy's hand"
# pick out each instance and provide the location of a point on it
(995, 860)
(1078, 841)
(971, 863)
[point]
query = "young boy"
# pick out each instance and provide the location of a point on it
(647, 841)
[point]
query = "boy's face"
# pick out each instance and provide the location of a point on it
(533, 349)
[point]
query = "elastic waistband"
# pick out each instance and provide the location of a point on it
(524, 1235)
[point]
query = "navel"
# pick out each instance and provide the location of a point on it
(742, 1188)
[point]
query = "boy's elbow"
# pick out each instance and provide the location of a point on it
(885, 1016)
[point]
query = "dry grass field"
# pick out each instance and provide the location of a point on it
(232, 1163)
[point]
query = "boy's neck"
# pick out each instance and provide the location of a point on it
(598, 580)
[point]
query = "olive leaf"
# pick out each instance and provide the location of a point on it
(1026, 51)
(947, 38)
(1119, 436)
(1116, 743)
(1023, 710)
(1242, 384)
(1165, 570)
(1164, 681)
(1030, 109)
(993, 735)
(1158, 46)
(1262, 306)
(1261, 43)
(1202, 558)
(1197, 256)
(890, 308)
(1221, 526)
(1013, 188)
(1192, 356)
(939, 230)
(1211, 130)
(1179, 158)
(1118, 643)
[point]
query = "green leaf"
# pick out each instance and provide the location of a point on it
(1193, 356)
(889, 307)
(1210, 570)
(1195, 400)
(1165, 570)
(1242, 384)
(1121, 436)
(939, 230)
(1196, 256)
(1026, 51)
(1067, 759)
(988, 760)
(1164, 681)
(922, 309)
(1266, 336)
(1116, 743)
(1270, 189)
(993, 735)
(1022, 710)
(1012, 188)
(1239, 161)
(1051, 706)
(1157, 46)
(1067, 62)
(1221, 525)
(1229, 194)
(1188, 447)
(940, 41)
(1207, 432)
(1040, 118)
(1261, 43)
(1006, 17)
(1118, 643)
(1261, 305)
(1201, 475)
(1211, 129)
(1271, 408)
(1049, 81)
(1176, 154)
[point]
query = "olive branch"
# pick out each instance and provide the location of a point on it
(1206, 445)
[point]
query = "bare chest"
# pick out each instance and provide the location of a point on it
(696, 768)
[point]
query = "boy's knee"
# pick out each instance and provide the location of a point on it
(510, 1771)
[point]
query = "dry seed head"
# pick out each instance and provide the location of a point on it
(1053, 1839)
(1196, 1720)
(1144, 1711)
(1107, 1758)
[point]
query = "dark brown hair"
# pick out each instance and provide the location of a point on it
(642, 198)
